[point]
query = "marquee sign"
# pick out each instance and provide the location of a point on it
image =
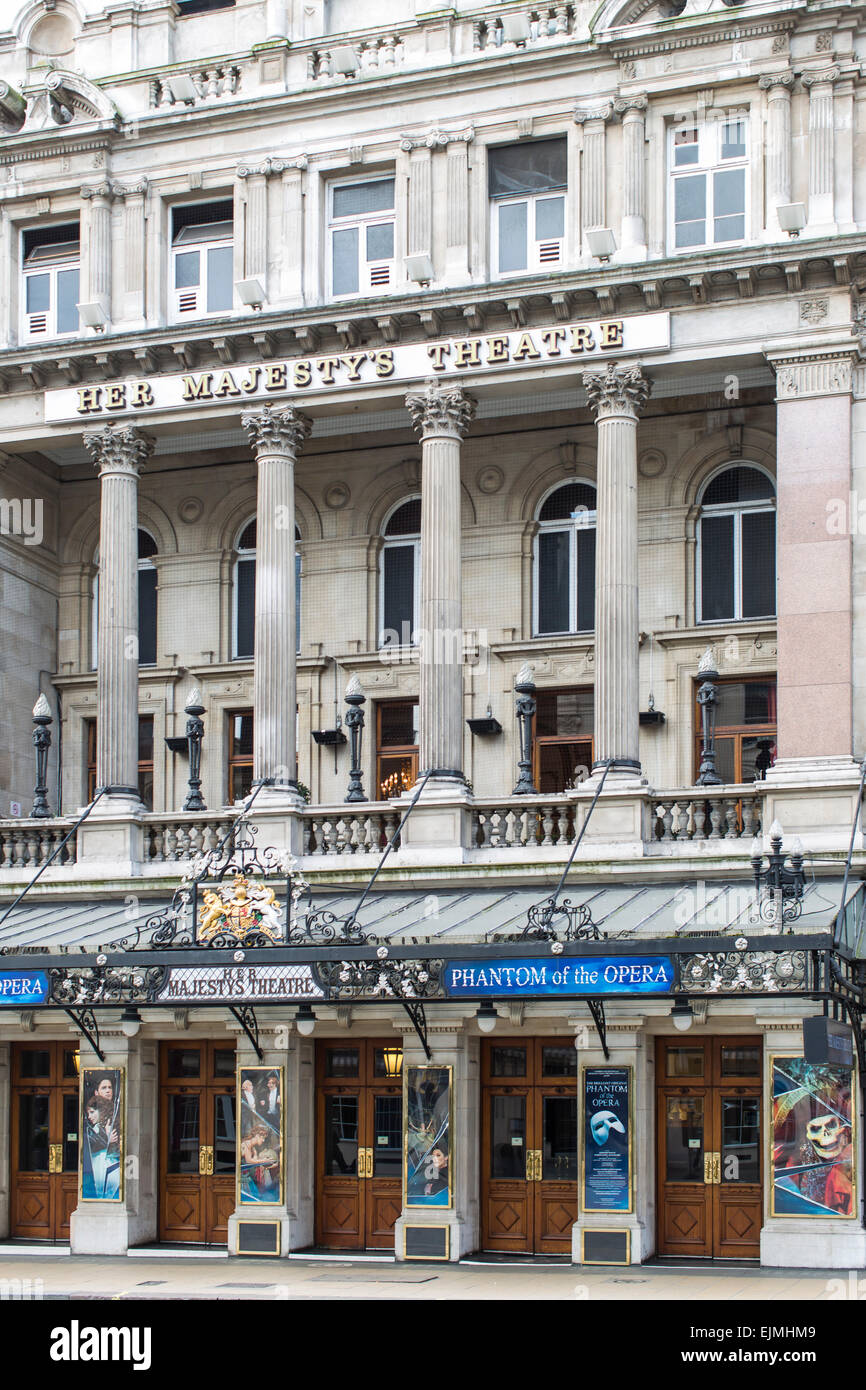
(18, 988)
(586, 976)
(295, 378)
(248, 984)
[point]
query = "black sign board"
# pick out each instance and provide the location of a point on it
(826, 1041)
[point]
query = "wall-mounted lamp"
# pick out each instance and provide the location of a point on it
(792, 218)
(93, 316)
(682, 1016)
(486, 1018)
(130, 1021)
(251, 293)
(419, 268)
(601, 242)
(305, 1020)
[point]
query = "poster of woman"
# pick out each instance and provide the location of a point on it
(813, 1139)
(260, 1128)
(102, 1137)
(427, 1164)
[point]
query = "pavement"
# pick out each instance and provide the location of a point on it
(52, 1276)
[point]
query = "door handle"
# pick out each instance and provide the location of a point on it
(533, 1165)
(712, 1169)
(210, 1160)
(202, 1160)
(708, 1168)
(368, 1163)
(717, 1168)
(55, 1158)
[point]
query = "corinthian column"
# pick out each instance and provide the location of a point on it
(119, 452)
(441, 416)
(97, 240)
(276, 437)
(616, 397)
(592, 181)
(778, 86)
(633, 238)
(821, 148)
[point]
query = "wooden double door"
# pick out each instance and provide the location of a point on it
(528, 1145)
(709, 1161)
(359, 1143)
(198, 1141)
(44, 1186)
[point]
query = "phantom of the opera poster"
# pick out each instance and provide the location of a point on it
(260, 1127)
(813, 1139)
(102, 1136)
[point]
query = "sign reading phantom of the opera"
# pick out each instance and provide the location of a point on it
(606, 1184)
(561, 345)
(22, 987)
(588, 975)
(238, 984)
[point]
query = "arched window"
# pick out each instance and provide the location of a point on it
(400, 575)
(147, 602)
(565, 561)
(737, 546)
(244, 586)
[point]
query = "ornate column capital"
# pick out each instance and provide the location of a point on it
(805, 375)
(437, 139)
(772, 80)
(276, 431)
(602, 112)
(637, 102)
(104, 189)
(119, 449)
(447, 410)
(616, 391)
(270, 166)
(130, 190)
(816, 79)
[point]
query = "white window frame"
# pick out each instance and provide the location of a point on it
(540, 255)
(389, 542)
(737, 510)
(709, 162)
(367, 285)
(188, 304)
(587, 521)
(52, 268)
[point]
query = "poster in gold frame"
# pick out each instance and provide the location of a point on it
(813, 1139)
(102, 1126)
(427, 1150)
(260, 1136)
(606, 1140)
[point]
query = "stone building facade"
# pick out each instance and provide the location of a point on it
(469, 339)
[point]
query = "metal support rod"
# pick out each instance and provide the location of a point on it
(390, 845)
(246, 1017)
(419, 1023)
(596, 1008)
(86, 1023)
(50, 860)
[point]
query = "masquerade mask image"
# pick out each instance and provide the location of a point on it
(602, 1123)
(827, 1134)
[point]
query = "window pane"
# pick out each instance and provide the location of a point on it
(562, 766)
(685, 147)
(729, 204)
(35, 1062)
(740, 1134)
(387, 1136)
(38, 293)
(559, 1132)
(219, 278)
(508, 1061)
(145, 738)
(507, 1137)
(398, 725)
(565, 713)
(559, 1061)
(685, 1061)
(183, 1134)
(717, 568)
(549, 218)
(33, 1133)
(530, 167)
(380, 242)
(553, 571)
(398, 603)
(572, 500)
(690, 197)
(341, 1136)
(342, 1061)
(741, 1061)
(586, 580)
(512, 237)
(355, 199)
(759, 564)
(67, 301)
(345, 252)
(729, 228)
(738, 484)
(245, 584)
(147, 617)
(186, 270)
(685, 1139)
(745, 702)
(733, 139)
(183, 1062)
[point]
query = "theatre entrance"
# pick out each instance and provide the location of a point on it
(359, 1143)
(528, 1145)
(709, 1147)
(44, 1167)
(197, 1141)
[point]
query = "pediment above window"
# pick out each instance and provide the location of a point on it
(623, 14)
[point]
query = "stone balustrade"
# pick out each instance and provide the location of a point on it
(536, 24)
(355, 59)
(209, 84)
(173, 839)
(345, 830)
(718, 813)
(515, 822)
(28, 844)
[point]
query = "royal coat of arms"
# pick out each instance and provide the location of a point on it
(238, 910)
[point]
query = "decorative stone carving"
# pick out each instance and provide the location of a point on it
(638, 102)
(118, 449)
(602, 112)
(271, 166)
(437, 139)
(616, 391)
(490, 479)
(276, 431)
(811, 79)
(447, 410)
(814, 310)
(776, 79)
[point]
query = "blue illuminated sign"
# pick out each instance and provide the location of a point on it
(22, 987)
(587, 975)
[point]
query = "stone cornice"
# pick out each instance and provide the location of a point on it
(630, 46)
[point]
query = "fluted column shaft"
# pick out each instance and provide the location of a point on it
(616, 397)
(98, 243)
(592, 182)
(441, 417)
(256, 243)
(276, 436)
(633, 112)
(119, 454)
(821, 152)
(421, 201)
(778, 158)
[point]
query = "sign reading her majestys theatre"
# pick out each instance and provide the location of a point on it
(297, 377)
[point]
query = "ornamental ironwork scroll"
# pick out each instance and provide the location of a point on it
(759, 972)
(382, 978)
